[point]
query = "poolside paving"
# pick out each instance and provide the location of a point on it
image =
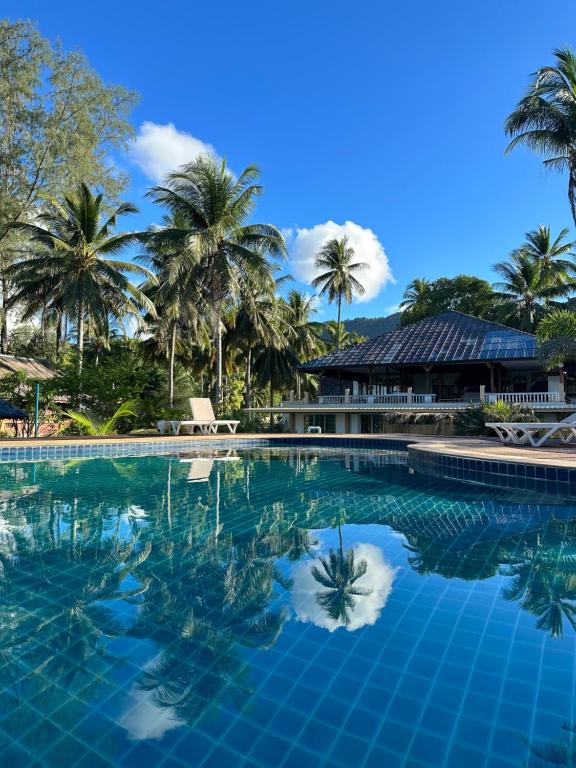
(554, 454)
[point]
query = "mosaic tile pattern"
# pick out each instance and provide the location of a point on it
(175, 611)
(518, 476)
(111, 449)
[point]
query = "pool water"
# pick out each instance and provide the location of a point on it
(282, 607)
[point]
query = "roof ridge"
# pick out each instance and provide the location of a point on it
(473, 317)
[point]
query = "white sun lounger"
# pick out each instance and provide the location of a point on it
(536, 433)
(199, 471)
(203, 413)
(175, 426)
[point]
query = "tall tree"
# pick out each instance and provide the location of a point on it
(555, 256)
(463, 293)
(545, 118)
(74, 269)
(338, 281)
(230, 253)
(58, 124)
(523, 292)
(175, 292)
(416, 294)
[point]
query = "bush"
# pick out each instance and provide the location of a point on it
(473, 420)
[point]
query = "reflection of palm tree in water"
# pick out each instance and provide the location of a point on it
(339, 575)
(544, 577)
(560, 752)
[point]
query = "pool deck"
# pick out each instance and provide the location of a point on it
(556, 454)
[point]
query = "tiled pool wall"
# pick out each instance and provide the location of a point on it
(518, 476)
(116, 449)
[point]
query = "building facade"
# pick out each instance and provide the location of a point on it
(442, 363)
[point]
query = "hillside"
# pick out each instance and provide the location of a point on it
(373, 326)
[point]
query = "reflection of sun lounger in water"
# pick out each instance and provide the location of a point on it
(200, 469)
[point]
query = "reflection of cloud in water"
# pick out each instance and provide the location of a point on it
(378, 578)
(144, 719)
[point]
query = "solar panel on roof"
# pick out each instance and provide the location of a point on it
(450, 337)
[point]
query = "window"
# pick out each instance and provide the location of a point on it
(326, 421)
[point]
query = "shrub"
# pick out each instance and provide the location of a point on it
(472, 421)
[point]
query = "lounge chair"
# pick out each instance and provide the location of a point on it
(519, 433)
(203, 413)
(199, 471)
(175, 425)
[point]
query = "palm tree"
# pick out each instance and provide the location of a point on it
(551, 254)
(524, 292)
(545, 118)
(213, 206)
(556, 335)
(416, 294)
(306, 340)
(347, 338)
(74, 272)
(259, 323)
(339, 575)
(338, 281)
(175, 292)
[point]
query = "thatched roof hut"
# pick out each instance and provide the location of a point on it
(38, 370)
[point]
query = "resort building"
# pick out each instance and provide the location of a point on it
(442, 363)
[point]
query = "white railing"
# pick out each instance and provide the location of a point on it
(398, 398)
(525, 398)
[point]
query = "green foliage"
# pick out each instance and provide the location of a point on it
(463, 293)
(472, 421)
(90, 424)
(545, 118)
(335, 261)
(122, 374)
(59, 124)
(557, 338)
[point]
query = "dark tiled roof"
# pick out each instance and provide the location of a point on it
(450, 337)
(9, 411)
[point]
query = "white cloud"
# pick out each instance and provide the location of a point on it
(304, 244)
(378, 578)
(143, 718)
(160, 149)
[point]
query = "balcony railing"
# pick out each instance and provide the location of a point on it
(399, 398)
(525, 398)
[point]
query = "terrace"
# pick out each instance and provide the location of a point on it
(438, 365)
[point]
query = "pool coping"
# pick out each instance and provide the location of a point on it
(482, 461)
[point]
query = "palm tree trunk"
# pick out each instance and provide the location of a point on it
(271, 403)
(80, 339)
(4, 319)
(58, 334)
(218, 388)
(171, 371)
(339, 312)
(248, 379)
(572, 188)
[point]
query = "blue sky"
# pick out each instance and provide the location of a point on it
(387, 115)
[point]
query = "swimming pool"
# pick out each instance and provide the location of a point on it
(281, 607)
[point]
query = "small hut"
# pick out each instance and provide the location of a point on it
(15, 416)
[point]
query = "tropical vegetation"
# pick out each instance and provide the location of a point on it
(198, 304)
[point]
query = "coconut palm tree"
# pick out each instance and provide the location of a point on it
(555, 255)
(416, 294)
(524, 292)
(259, 323)
(338, 281)
(339, 575)
(175, 292)
(228, 254)
(545, 118)
(556, 335)
(347, 338)
(306, 340)
(74, 270)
